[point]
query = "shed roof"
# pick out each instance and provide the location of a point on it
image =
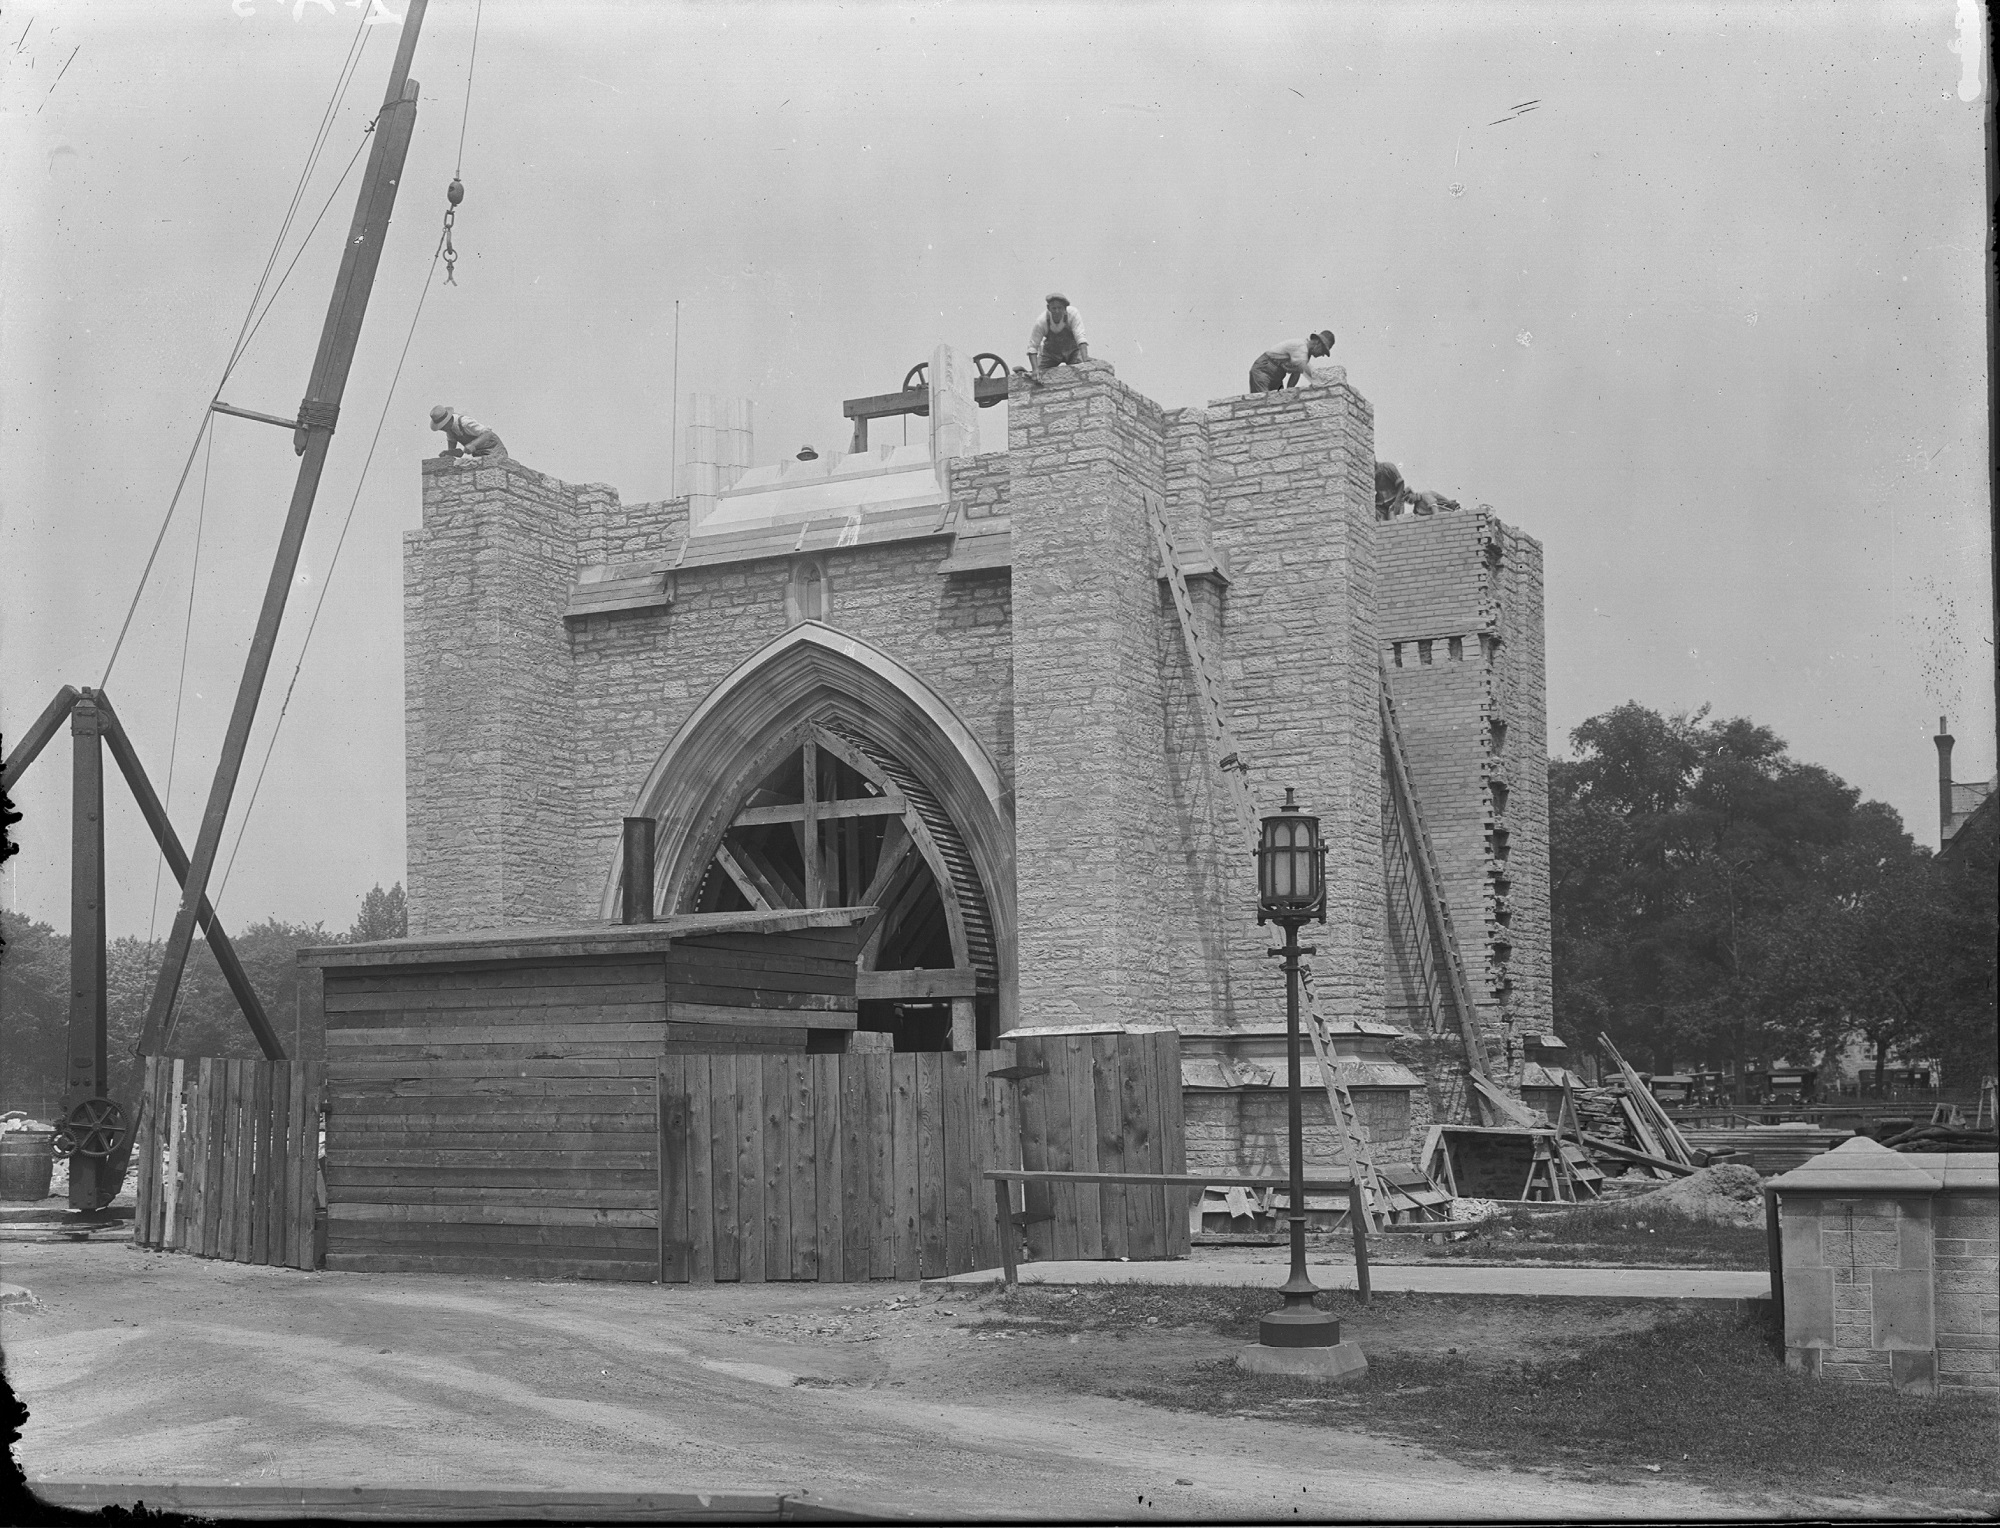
(585, 939)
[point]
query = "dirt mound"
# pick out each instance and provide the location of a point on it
(1728, 1193)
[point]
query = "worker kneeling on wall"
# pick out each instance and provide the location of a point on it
(466, 437)
(1284, 366)
(1057, 337)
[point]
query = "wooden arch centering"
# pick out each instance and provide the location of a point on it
(910, 867)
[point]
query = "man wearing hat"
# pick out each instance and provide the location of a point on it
(465, 437)
(1284, 366)
(1057, 337)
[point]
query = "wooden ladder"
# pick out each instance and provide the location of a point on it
(1436, 938)
(1357, 1154)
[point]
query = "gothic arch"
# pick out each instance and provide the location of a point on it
(892, 734)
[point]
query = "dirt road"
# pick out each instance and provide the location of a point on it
(142, 1366)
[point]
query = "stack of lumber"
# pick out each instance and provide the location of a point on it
(1623, 1120)
(1770, 1149)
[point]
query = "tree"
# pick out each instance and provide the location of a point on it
(34, 1015)
(1690, 865)
(383, 916)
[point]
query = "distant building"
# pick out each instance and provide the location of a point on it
(1958, 800)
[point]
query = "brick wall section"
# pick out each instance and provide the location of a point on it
(1966, 1257)
(487, 696)
(977, 485)
(1090, 861)
(527, 741)
(1288, 483)
(639, 676)
(1245, 1134)
(1461, 636)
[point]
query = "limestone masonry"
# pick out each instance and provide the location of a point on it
(990, 640)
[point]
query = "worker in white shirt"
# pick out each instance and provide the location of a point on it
(465, 437)
(1057, 337)
(1284, 366)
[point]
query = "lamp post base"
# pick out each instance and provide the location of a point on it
(1341, 1363)
(1300, 1326)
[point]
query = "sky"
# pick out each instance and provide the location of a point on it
(1696, 295)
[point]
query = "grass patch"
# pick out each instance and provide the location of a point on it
(1612, 1233)
(1126, 1309)
(1702, 1395)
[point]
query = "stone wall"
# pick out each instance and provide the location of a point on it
(1890, 1267)
(1461, 641)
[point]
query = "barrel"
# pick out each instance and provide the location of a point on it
(27, 1157)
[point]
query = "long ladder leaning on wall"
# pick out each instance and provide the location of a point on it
(1350, 1136)
(1431, 924)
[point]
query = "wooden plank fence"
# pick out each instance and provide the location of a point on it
(836, 1168)
(227, 1158)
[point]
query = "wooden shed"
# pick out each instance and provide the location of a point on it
(680, 1101)
(492, 1098)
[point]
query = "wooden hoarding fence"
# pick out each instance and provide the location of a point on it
(227, 1160)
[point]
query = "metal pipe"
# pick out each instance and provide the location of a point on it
(636, 884)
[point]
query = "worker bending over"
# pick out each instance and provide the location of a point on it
(1057, 338)
(466, 437)
(1284, 366)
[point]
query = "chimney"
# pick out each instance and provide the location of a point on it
(1944, 740)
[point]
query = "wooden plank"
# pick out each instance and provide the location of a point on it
(1107, 1115)
(828, 1016)
(965, 1202)
(499, 1000)
(642, 1068)
(723, 1126)
(846, 808)
(1032, 1101)
(277, 1200)
(257, 1243)
(215, 1174)
(1078, 1064)
(527, 1159)
(487, 1111)
(509, 1055)
(634, 1137)
(903, 1240)
(880, 1139)
(930, 1165)
(642, 1197)
(497, 1215)
(194, 1167)
(750, 1130)
(235, 1158)
(815, 887)
(351, 1178)
(856, 1212)
(303, 1155)
(490, 1267)
(639, 1244)
(828, 956)
(176, 1148)
(342, 1040)
(778, 1157)
(1061, 1139)
(468, 975)
(756, 990)
(1172, 1133)
(1145, 1209)
(700, 1170)
(519, 1085)
(915, 986)
(144, 1194)
(831, 1232)
(802, 1171)
(685, 1038)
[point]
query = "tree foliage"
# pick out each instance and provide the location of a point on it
(34, 997)
(1715, 898)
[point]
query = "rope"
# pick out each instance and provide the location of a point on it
(180, 684)
(248, 329)
(327, 583)
(470, 64)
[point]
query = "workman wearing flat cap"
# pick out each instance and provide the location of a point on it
(1057, 337)
(1284, 366)
(465, 437)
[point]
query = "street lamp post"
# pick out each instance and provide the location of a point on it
(1298, 1337)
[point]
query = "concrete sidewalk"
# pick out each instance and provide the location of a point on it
(1268, 1266)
